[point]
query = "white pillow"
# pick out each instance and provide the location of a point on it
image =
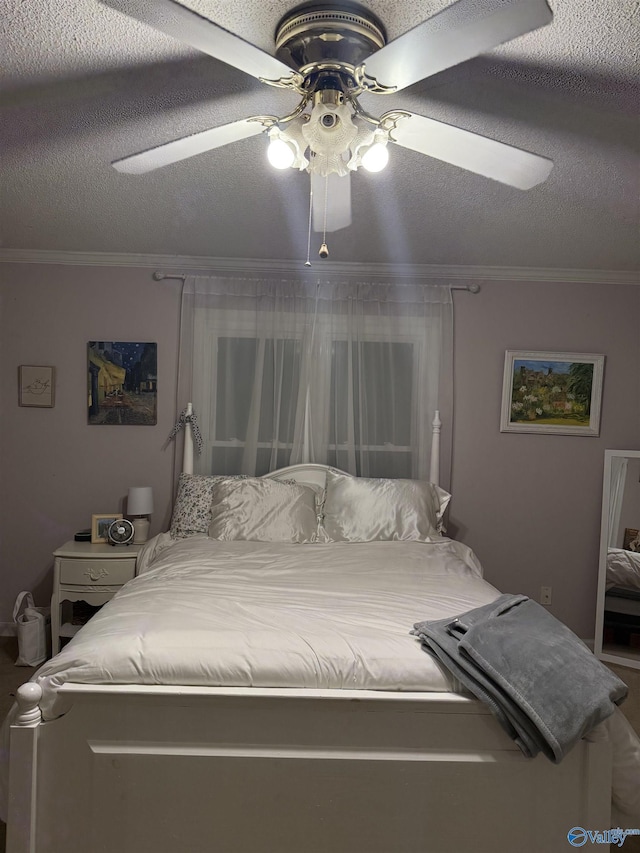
(360, 509)
(263, 510)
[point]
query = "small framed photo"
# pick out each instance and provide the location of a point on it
(631, 540)
(36, 386)
(552, 392)
(99, 526)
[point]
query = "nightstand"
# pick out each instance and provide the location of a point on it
(85, 572)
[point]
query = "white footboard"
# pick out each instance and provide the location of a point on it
(182, 770)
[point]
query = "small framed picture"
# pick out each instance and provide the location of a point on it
(36, 386)
(100, 525)
(631, 540)
(552, 392)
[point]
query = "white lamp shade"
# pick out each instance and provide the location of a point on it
(140, 500)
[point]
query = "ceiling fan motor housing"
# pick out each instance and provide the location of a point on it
(325, 37)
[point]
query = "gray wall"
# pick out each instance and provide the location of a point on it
(55, 469)
(529, 505)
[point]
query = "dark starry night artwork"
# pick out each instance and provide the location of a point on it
(122, 383)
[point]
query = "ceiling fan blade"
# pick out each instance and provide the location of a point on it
(337, 190)
(457, 33)
(470, 151)
(188, 146)
(190, 28)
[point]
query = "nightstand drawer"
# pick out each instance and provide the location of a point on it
(98, 572)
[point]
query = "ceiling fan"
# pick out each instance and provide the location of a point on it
(330, 53)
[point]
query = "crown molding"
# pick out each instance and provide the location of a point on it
(178, 264)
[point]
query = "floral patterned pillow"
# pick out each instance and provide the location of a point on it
(192, 508)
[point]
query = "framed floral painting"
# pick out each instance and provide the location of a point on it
(552, 392)
(631, 539)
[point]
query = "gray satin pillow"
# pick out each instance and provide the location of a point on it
(263, 510)
(360, 509)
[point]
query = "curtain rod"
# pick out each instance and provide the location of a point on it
(158, 275)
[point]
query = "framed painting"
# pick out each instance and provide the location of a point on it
(36, 386)
(631, 539)
(122, 383)
(552, 392)
(100, 525)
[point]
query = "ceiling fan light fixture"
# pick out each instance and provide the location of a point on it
(329, 52)
(376, 157)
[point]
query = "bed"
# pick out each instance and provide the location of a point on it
(623, 569)
(249, 694)
(621, 620)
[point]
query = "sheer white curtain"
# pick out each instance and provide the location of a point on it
(619, 467)
(347, 373)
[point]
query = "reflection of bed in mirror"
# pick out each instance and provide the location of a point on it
(621, 622)
(618, 611)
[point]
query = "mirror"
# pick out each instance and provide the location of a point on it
(617, 638)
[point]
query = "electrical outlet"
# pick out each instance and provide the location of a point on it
(545, 595)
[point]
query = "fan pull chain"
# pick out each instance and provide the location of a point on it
(307, 263)
(324, 251)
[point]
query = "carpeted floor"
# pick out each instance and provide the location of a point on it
(631, 705)
(12, 676)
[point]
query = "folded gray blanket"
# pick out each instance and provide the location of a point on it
(542, 683)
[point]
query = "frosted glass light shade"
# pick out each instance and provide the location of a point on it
(140, 500)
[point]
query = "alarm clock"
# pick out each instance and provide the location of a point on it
(120, 532)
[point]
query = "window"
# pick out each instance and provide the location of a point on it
(256, 395)
(253, 374)
(348, 374)
(378, 375)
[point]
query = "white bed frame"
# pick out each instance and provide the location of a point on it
(155, 769)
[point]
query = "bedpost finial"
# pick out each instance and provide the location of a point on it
(28, 697)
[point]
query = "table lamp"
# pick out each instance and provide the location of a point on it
(139, 508)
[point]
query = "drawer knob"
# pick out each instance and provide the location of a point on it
(96, 574)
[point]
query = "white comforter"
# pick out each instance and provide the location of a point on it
(245, 614)
(623, 569)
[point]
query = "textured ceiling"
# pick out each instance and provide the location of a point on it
(82, 85)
